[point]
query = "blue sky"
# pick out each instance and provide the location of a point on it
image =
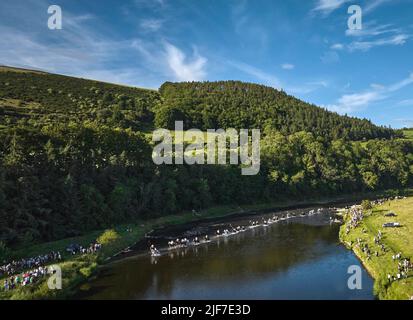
(303, 47)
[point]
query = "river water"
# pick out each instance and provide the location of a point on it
(297, 258)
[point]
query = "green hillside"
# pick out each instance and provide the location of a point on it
(236, 104)
(35, 98)
(408, 134)
(75, 154)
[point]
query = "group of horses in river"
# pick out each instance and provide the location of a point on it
(229, 231)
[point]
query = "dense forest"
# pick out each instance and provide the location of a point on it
(234, 104)
(75, 154)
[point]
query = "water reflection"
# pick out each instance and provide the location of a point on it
(294, 259)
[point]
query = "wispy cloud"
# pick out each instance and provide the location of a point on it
(350, 103)
(74, 43)
(273, 81)
(248, 27)
(373, 35)
(373, 4)
(307, 87)
(149, 3)
(396, 40)
(151, 24)
(90, 50)
(325, 7)
(328, 6)
(287, 66)
(183, 68)
(377, 86)
(265, 77)
(337, 46)
(372, 29)
(401, 84)
(406, 103)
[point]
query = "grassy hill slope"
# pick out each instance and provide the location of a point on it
(36, 98)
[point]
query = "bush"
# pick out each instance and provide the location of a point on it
(108, 236)
(380, 288)
(88, 271)
(366, 205)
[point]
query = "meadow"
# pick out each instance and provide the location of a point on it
(396, 240)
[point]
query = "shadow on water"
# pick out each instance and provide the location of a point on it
(296, 259)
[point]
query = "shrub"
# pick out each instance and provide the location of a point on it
(108, 236)
(88, 271)
(366, 205)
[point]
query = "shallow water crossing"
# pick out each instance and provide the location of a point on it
(297, 258)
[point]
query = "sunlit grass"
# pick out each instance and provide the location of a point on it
(408, 134)
(395, 239)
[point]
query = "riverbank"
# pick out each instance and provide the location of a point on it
(395, 240)
(78, 269)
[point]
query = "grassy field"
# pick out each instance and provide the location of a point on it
(179, 137)
(395, 239)
(20, 70)
(408, 134)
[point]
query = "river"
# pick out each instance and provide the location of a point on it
(297, 258)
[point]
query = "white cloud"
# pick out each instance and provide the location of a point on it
(149, 3)
(371, 29)
(355, 102)
(328, 6)
(307, 87)
(405, 103)
(321, 83)
(337, 46)
(273, 81)
(92, 51)
(377, 86)
(373, 35)
(73, 48)
(287, 66)
(84, 50)
(349, 103)
(183, 69)
(396, 40)
(401, 84)
(151, 24)
(374, 4)
(78, 57)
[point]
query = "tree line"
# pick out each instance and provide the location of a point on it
(63, 178)
(234, 104)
